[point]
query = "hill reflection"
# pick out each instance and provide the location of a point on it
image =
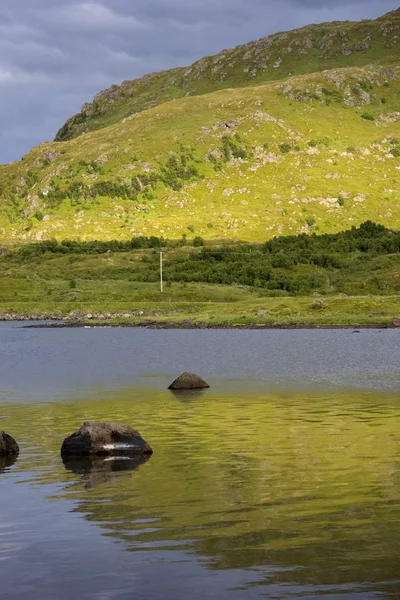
(301, 491)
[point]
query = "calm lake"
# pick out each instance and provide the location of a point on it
(282, 481)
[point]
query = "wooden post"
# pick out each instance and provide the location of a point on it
(161, 274)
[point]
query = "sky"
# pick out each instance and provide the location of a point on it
(56, 54)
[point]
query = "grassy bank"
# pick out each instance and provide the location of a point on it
(347, 278)
(121, 302)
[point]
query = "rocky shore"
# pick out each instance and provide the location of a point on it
(200, 325)
(136, 318)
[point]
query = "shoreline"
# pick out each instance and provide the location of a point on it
(201, 325)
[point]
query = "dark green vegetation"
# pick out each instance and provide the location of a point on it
(361, 260)
(357, 272)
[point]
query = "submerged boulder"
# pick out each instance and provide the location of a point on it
(188, 381)
(8, 446)
(105, 439)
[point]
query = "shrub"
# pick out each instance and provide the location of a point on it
(39, 215)
(285, 148)
(368, 117)
(72, 284)
(198, 241)
(318, 304)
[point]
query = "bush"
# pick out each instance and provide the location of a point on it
(198, 241)
(368, 117)
(318, 304)
(310, 221)
(285, 148)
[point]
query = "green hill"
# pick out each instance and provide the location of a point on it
(304, 141)
(302, 51)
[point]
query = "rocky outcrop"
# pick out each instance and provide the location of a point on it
(105, 439)
(188, 381)
(8, 446)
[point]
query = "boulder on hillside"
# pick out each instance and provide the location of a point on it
(8, 446)
(396, 322)
(188, 381)
(105, 439)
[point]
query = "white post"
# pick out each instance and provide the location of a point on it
(161, 274)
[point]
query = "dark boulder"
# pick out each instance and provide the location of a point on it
(8, 446)
(188, 381)
(105, 439)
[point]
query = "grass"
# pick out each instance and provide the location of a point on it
(123, 302)
(275, 284)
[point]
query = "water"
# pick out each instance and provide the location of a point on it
(282, 481)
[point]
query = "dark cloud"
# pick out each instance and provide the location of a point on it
(55, 54)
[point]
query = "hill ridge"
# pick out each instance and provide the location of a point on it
(308, 49)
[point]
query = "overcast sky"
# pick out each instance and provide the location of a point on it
(56, 54)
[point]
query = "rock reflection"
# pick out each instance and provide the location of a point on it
(7, 461)
(187, 395)
(102, 469)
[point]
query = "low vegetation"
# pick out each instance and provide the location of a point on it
(349, 277)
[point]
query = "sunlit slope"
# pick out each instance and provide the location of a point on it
(313, 153)
(308, 50)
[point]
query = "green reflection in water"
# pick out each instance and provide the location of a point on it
(308, 484)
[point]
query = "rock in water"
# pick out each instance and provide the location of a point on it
(105, 438)
(188, 381)
(8, 446)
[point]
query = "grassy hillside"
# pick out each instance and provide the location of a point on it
(308, 50)
(315, 152)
